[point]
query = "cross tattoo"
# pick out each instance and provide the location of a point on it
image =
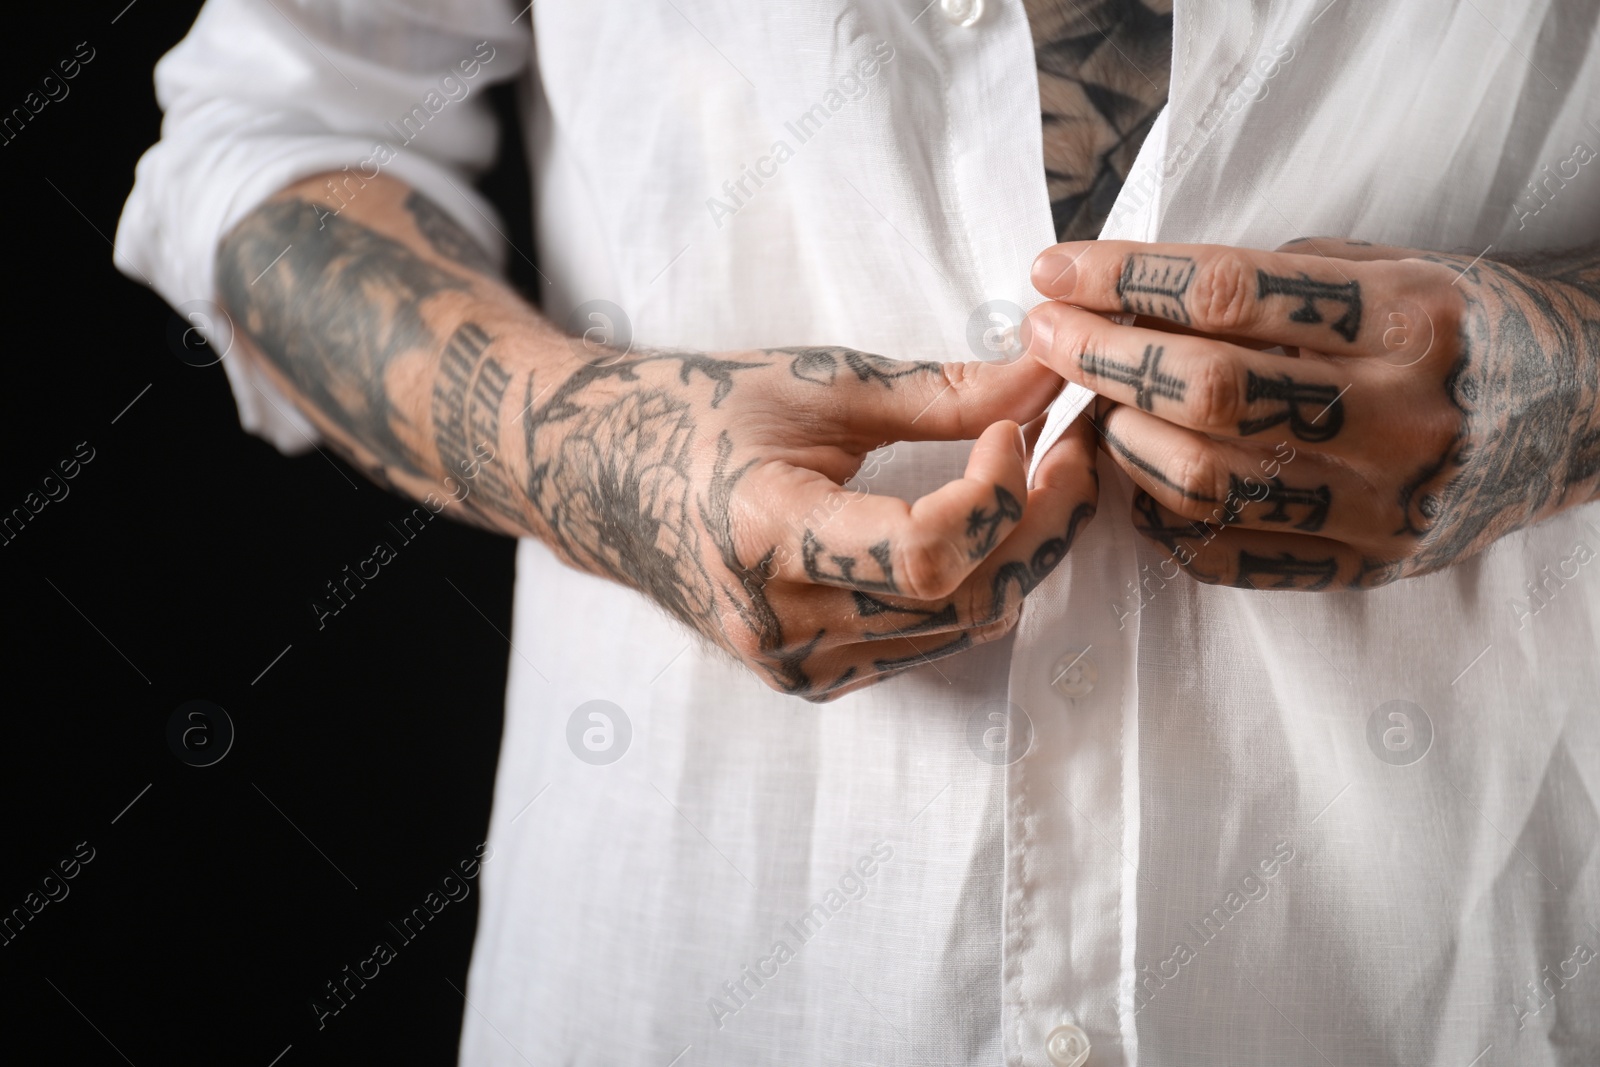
(1147, 378)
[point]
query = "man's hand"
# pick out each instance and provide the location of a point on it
(1425, 405)
(714, 483)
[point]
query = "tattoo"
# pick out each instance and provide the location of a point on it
(1155, 473)
(335, 306)
(467, 396)
(868, 606)
(1149, 519)
(1309, 292)
(983, 526)
(446, 236)
(1147, 379)
(1322, 426)
(813, 551)
(1155, 285)
(1103, 70)
(783, 662)
(1288, 569)
(960, 644)
(821, 365)
(1025, 577)
(1527, 384)
(1282, 498)
(1375, 572)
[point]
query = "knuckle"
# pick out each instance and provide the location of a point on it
(931, 567)
(1214, 393)
(1200, 476)
(1223, 293)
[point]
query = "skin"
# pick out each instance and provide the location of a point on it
(1103, 72)
(712, 483)
(1426, 404)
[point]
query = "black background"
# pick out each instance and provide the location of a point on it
(183, 560)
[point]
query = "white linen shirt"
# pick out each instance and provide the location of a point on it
(1215, 825)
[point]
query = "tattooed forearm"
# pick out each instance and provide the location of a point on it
(446, 236)
(335, 306)
(1103, 72)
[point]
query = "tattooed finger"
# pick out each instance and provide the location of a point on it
(1217, 554)
(881, 544)
(1309, 300)
(1281, 489)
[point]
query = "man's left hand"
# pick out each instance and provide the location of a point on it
(1422, 407)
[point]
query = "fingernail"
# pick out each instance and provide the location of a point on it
(1055, 274)
(1022, 444)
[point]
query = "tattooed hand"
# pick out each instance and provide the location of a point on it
(1424, 405)
(714, 483)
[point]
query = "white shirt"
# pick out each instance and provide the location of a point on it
(1221, 845)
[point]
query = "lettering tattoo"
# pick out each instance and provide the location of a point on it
(816, 558)
(1282, 498)
(467, 397)
(1326, 400)
(1309, 292)
(1288, 570)
(1148, 379)
(1103, 70)
(1156, 285)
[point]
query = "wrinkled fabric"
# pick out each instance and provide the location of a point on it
(1249, 829)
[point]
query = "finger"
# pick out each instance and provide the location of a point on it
(1206, 385)
(1062, 502)
(827, 535)
(1255, 559)
(858, 666)
(864, 400)
(1344, 248)
(1310, 300)
(1228, 484)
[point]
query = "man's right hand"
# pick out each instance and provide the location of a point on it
(715, 484)
(712, 483)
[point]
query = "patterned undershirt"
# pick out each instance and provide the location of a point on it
(1103, 72)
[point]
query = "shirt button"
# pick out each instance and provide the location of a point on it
(961, 12)
(1074, 674)
(1067, 1046)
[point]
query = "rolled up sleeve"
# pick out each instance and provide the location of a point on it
(263, 93)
